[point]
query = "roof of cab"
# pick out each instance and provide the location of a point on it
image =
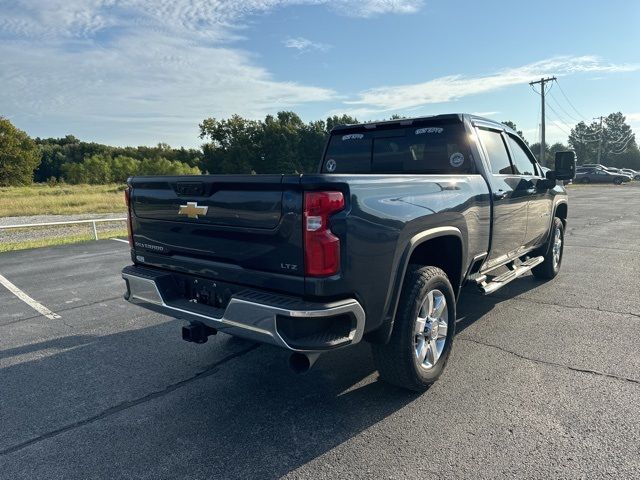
(418, 120)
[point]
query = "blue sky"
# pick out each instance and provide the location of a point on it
(148, 71)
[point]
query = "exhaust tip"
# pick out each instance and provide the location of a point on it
(301, 362)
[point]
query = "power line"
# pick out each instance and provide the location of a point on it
(570, 103)
(624, 148)
(581, 140)
(591, 134)
(620, 140)
(560, 128)
(558, 115)
(617, 147)
(584, 137)
(563, 109)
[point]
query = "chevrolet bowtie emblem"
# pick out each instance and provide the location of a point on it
(192, 210)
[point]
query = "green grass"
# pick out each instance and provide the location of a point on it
(42, 199)
(49, 242)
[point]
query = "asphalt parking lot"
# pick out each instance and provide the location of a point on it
(544, 380)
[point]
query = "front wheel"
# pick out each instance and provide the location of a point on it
(554, 249)
(617, 181)
(423, 331)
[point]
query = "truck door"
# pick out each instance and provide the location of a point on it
(540, 199)
(510, 199)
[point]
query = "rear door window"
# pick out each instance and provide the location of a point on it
(496, 150)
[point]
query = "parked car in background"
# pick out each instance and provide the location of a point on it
(599, 175)
(634, 174)
(618, 171)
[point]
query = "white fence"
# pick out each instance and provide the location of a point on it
(70, 222)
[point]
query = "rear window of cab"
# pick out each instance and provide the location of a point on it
(430, 149)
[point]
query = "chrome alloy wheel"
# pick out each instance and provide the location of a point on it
(557, 247)
(430, 332)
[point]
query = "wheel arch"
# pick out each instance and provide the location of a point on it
(561, 211)
(441, 247)
(443, 251)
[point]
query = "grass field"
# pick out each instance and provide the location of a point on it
(42, 199)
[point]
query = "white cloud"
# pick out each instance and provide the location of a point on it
(145, 70)
(82, 18)
(180, 88)
(633, 117)
(453, 87)
(370, 8)
(304, 44)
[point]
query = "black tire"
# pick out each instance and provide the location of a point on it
(586, 180)
(617, 181)
(550, 268)
(397, 361)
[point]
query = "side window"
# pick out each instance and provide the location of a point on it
(522, 162)
(497, 151)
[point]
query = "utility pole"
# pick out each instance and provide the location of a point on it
(542, 83)
(600, 141)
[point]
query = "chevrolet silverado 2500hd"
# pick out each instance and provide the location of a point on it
(374, 246)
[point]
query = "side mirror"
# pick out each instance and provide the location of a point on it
(565, 165)
(549, 180)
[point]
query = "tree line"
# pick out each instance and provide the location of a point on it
(280, 143)
(73, 161)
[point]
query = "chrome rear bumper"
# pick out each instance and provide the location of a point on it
(249, 314)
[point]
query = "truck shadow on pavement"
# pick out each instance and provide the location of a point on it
(72, 341)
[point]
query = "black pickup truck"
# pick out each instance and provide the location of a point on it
(375, 246)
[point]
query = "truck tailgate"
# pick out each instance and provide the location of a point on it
(196, 224)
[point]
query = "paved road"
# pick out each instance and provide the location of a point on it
(544, 380)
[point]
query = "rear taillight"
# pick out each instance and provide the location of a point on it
(321, 246)
(129, 225)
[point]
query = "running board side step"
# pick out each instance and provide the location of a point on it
(496, 283)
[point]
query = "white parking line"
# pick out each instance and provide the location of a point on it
(28, 300)
(120, 240)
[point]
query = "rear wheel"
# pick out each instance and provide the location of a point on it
(550, 267)
(586, 180)
(617, 181)
(423, 331)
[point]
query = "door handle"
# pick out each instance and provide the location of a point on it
(500, 194)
